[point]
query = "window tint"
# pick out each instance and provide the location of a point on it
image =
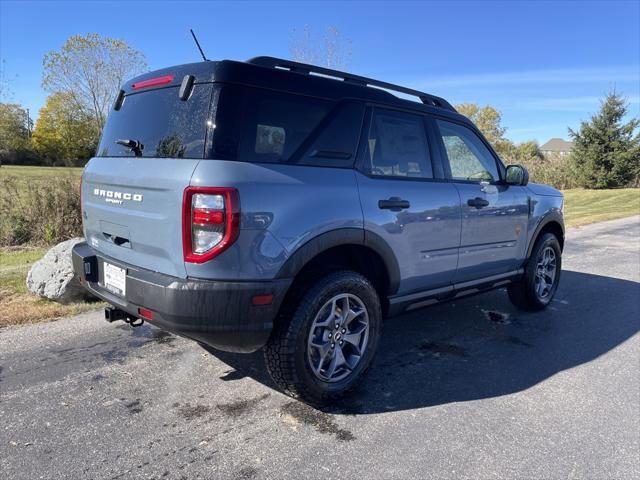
(164, 124)
(337, 141)
(256, 125)
(468, 156)
(397, 146)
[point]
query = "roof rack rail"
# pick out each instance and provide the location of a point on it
(304, 68)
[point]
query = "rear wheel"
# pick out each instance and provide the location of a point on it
(542, 275)
(323, 349)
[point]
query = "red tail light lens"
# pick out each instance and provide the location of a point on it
(210, 222)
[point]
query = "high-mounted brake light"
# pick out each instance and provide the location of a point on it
(153, 82)
(210, 222)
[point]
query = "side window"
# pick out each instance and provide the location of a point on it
(337, 142)
(468, 156)
(279, 126)
(257, 125)
(396, 146)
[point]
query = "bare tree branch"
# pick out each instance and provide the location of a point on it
(91, 69)
(331, 51)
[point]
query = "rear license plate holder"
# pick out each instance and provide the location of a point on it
(115, 279)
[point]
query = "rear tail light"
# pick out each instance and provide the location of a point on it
(210, 222)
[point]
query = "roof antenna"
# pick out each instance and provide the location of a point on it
(198, 45)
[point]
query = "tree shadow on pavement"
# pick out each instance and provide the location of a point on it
(483, 347)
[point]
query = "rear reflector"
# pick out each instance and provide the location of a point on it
(153, 82)
(262, 300)
(144, 313)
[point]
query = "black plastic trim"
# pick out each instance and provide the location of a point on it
(339, 237)
(217, 313)
(401, 303)
(551, 217)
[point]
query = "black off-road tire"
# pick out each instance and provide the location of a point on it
(286, 351)
(523, 293)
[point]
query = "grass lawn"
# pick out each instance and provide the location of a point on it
(17, 306)
(25, 174)
(37, 172)
(589, 206)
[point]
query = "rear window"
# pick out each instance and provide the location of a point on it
(256, 125)
(165, 125)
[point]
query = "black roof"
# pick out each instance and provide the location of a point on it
(300, 78)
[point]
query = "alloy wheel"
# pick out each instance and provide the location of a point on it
(338, 337)
(546, 269)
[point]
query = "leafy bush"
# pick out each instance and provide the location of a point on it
(40, 211)
(554, 170)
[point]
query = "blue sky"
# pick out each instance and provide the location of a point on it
(544, 65)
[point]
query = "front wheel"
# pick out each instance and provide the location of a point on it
(542, 275)
(325, 347)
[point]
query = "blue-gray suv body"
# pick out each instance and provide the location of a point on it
(271, 204)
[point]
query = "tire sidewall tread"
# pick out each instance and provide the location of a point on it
(522, 293)
(286, 350)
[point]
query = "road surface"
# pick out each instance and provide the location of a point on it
(470, 389)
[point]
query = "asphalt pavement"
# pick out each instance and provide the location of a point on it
(469, 389)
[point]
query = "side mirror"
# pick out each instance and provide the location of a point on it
(517, 175)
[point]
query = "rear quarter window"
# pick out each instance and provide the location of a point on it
(263, 126)
(164, 124)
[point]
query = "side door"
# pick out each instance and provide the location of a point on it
(494, 214)
(406, 200)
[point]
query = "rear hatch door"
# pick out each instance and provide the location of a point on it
(132, 196)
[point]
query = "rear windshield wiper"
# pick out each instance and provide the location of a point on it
(133, 145)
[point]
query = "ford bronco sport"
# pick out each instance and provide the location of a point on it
(276, 205)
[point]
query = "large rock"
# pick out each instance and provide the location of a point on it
(52, 276)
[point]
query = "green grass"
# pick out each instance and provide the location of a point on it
(14, 266)
(589, 206)
(17, 305)
(37, 172)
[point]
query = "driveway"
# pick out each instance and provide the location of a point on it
(472, 389)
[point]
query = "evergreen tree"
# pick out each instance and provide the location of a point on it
(606, 152)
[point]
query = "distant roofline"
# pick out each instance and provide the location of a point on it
(557, 144)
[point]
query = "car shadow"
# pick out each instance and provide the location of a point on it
(483, 347)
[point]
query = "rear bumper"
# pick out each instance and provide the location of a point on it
(216, 313)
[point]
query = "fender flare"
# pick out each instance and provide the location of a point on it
(339, 237)
(551, 217)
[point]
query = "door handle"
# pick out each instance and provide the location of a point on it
(394, 204)
(478, 202)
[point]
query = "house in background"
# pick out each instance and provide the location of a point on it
(557, 146)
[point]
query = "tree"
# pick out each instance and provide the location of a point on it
(606, 152)
(64, 134)
(90, 70)
(14, 131)
(486, 118)
(5, 88)
(332, 51)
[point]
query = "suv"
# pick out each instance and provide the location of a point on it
(277, 205)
